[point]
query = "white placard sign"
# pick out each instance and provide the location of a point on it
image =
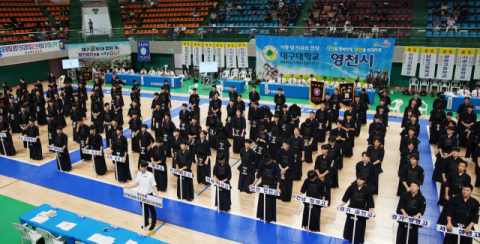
(220, 184)
(25, 138)
(230, 50)
(428, 60)
(465, 62)
(220, 54)
(91, 152)
(410, 60)
(446, 61)
(411, 220)
(156, 167)
(359, 212)
(208, 52)
(311, 200)
(183, 173)
(186, 53)
(3, 135)
(197, 53)
(458, 231)
(242, 54)
(115, 158)
(144, 198)
(476, 74)
(268, 191)
(55, 149)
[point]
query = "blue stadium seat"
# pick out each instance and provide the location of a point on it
(450, 11)
(436, 34)
(274, 18)
(262, 32)
(228, 19)
(465, 34)
(276, 24)
(247, 31)
(477, 10)
(450, 34)
(478, 25)
(471, 10)
(267, 32)
(471, 3)
(210, 25)
(290, 25)
(473, 34)
(477, 3)
(450, 4)
(429, 34)
(242, 25)
(443, 34)
(430, 4)
(458, 34)
(471, 18)
(464, 25)
(458, 25)
(430, 11)
(429, 18)
(429, 25)
(255, 24)
(443, 18)
(473, 25)
(242, 32)
(478, 17)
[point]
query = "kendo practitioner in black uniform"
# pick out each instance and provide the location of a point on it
(232, 94)
(436, 118)
(383, 115)
(314, 188)
(194, 102)
(223, 145)
(267, 116)
(157, 121)
(359, 108)
(168, 128)
(83, 132)
(315, 124)
(118, 107)
(35, 147)
(336, 151)
(159, 157)
(135, 125)
(12, 111)
(472, 137)
(279, 100)
(285, 160)
(253, 96)
(211, 125)
(165, 102)
(135, 96)
(75, 115)
(7, 141)
(262, 140)
(63, 158)
(194, 130)
(449, 165)
(308, 130)
(440, 100)
(376, 134)
(324, 118)
(202, 159)
(97, 114)
(360, 197)
(376, 122)
(185, 118)
(270, 174)
(463, 107)
(323, 167)
(350, 126)
(467, 119)
(275, 138)
(409, 173)
(340, 138)
(295, 113)
(238, 130)
(456, 180)
(52, 129)
(95, 142)
(256, 115)
(146, 141)
(23, 118)
(297, 144)
(328, 106)
(183, 163)
(108, 116)
(231, 110)
(54, 111)
(40, 108)
(368, 170)
(83, 97)
(247, 167)
(376, 157)
(215, 107)
(411, 204)
(445, 145)
(175, 142)
(410, 137)
(223, 173)
(406, 153)
(211, 94)
(120, 149)
(366, 102)
(134, 107)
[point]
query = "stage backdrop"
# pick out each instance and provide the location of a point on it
(107, 54)
(351, 58)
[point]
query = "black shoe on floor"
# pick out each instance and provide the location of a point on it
(142, 225)
(152, 227)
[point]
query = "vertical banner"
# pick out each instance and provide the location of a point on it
(87, 73)
(316, 94)
(197, 53)
(347, 92)
(220, 53)
(186, 53)
(446, 61)
(476, 74)
(208, 52)
(143, 51)
(242, 54)
(428, 60)
(230, 50)
(410, 60)
(465, 61)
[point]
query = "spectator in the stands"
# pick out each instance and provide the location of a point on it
(444, 8)
(310, 23)
(280, 5)
(230, 6)
(437, 8)
(152, 4)
(464, 11)
(456, 9)
(375, 31)
(217, 6)
(404, 4)
(213, 18)
(437, 23)
(384, 17)
(451, 24)
(221, 17)
(373, 9)
(268, 17)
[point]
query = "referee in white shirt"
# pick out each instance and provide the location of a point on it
(312, 79)
(281, 79)
(292, 80)
(301, 81)
(476, 92)
(464, 92)
(146, 183)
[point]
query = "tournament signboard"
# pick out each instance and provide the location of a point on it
(31, 48)
(87, 73)
(106, 54)
(348, 92)
(317, 91)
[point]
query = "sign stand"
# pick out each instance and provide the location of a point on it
(56, 150)
(409, 221)
(218, 185)
(355, 212)
(183, 173)
(116, 160)
(265, 192)
(311, 201)
(155, 201)
(207, 81)
(143, 216)
(3, 135)
(93, 153)
(28, 140)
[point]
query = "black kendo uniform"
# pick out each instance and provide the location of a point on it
(376, 154)
(23, 119)
(335, 106)
(253, 97)
(247, 170)
(95, 142)
(164, 102)
(13, 109)
(204, 166)
(315, 135)
(412, 205)
(120, 149)
(467, 118)
(269, 174)
(323, 164)
(360, 199)
(216, 104)
(436, 118)
(135, 125)
(445, 143)
(404, 142)
(455, 182)
(135, 96)
(405, 158)
(342, 133)
(279, 102)
(53, 110)
(256, 115)
(108, 118)
(307, 132)
(238, 124)
(475, 157)
(368, 170)
(286, 119)
(52, 131)
(223, 172)
(194, 130)
(223, 145)
(314, 189)
(323, 116)
(98, 120)
(275, 139)
(231, 110)
(286, 158)
(266, 117)
(63, 158)
(337, 153)
(137, 109)
(40, 109)
(350, 137)
(185, 118)
(161, 177)
(297, 144)
(360, 109)
(145, 139)
(462, 213)
(7, 141)
(168, 127)
(118, 103)
(232, 95)
(472, 139)
(35, 147)
(195, 110)
(449, 165)
(261, 146)
(408, 174)
(211, 124)
(175, 142)
(409, 124)
(157, 125)
(58, 105)
(75, 115)
(83, 134)
(328, 107)
(184, 159)
(295, 113)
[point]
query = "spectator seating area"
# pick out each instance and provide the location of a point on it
(466, 16)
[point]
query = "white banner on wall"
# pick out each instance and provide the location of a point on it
(186, 53)
(242, 54)
(410, 60)
(31, 48)
(208, 52)
(220, 54)
(465, 62)
(446, 61)
(428, 59)
(197, 53)
(230, 49)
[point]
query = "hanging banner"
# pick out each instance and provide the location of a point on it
(208, 52)
(230, 50)
(446, 61)
(31, 48)
(410, 60)
(87, 73)
(106, 54)
(317, 91)
(197, 53)
(465, 61)
(428, 59)
(187, 53)
(352, 59)
(476, 74)
(143, 51)
(220, 53)
(347, 92)
(242, 54)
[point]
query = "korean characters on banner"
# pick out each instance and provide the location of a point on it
(242, 54)
(231, 54)
(317, 91)
(186, 53)
(410, 60)
(428, 60)
(465, 61)
(446, 61)
(476, 74)
(208, 51)
(197, 53)
(220, 54)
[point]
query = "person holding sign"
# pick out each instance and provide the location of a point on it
(61, 140)
(184, 163)
(202, 158)
(239, 125)
(360, 197)
(146, 143)
(411, 204)
(270, 173)
(223, 173)
(367, 169)
(120, 149)
(83, 132)
(95, 142)
(410, 173)
(146, 183)
(34, 147)
(7, 141)
(247, 167)
(159, 157)
(286, 163)
(314, 188)
(323, 166)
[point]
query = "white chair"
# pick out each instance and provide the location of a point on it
(27, 234)
(225, 74)
(456, 84)
(243, 77)
(49, 238)
(220, 90)
(398, 103)
(424, 83)
(433, 83)
(413, 83)
(190, 88)
(233, 74)
(444, 84)
(61, 81)
(477, 84)
(423, 109)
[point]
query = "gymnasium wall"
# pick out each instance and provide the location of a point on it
(30, 71)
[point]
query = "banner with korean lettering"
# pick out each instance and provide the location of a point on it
(316, 93)
(31, 48)
(428, 60)
(197, 53)
(107, 54)
(242, 54)
(410, 60)
(220, 54)
(230, 51)
(208, 52)
(143, 51)
(446, 61)
(465, 61)
(348, 92)
(476, 74)
(352, 59)
(187, 53)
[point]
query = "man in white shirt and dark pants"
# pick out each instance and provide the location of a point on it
(476, 92)
(151, 72)
(301, 81)
(325, 81)
(368, 86)
(334, 84)
(312, 79)
(281, 79)
(464, 92)
(147, 184)
(292, 80)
